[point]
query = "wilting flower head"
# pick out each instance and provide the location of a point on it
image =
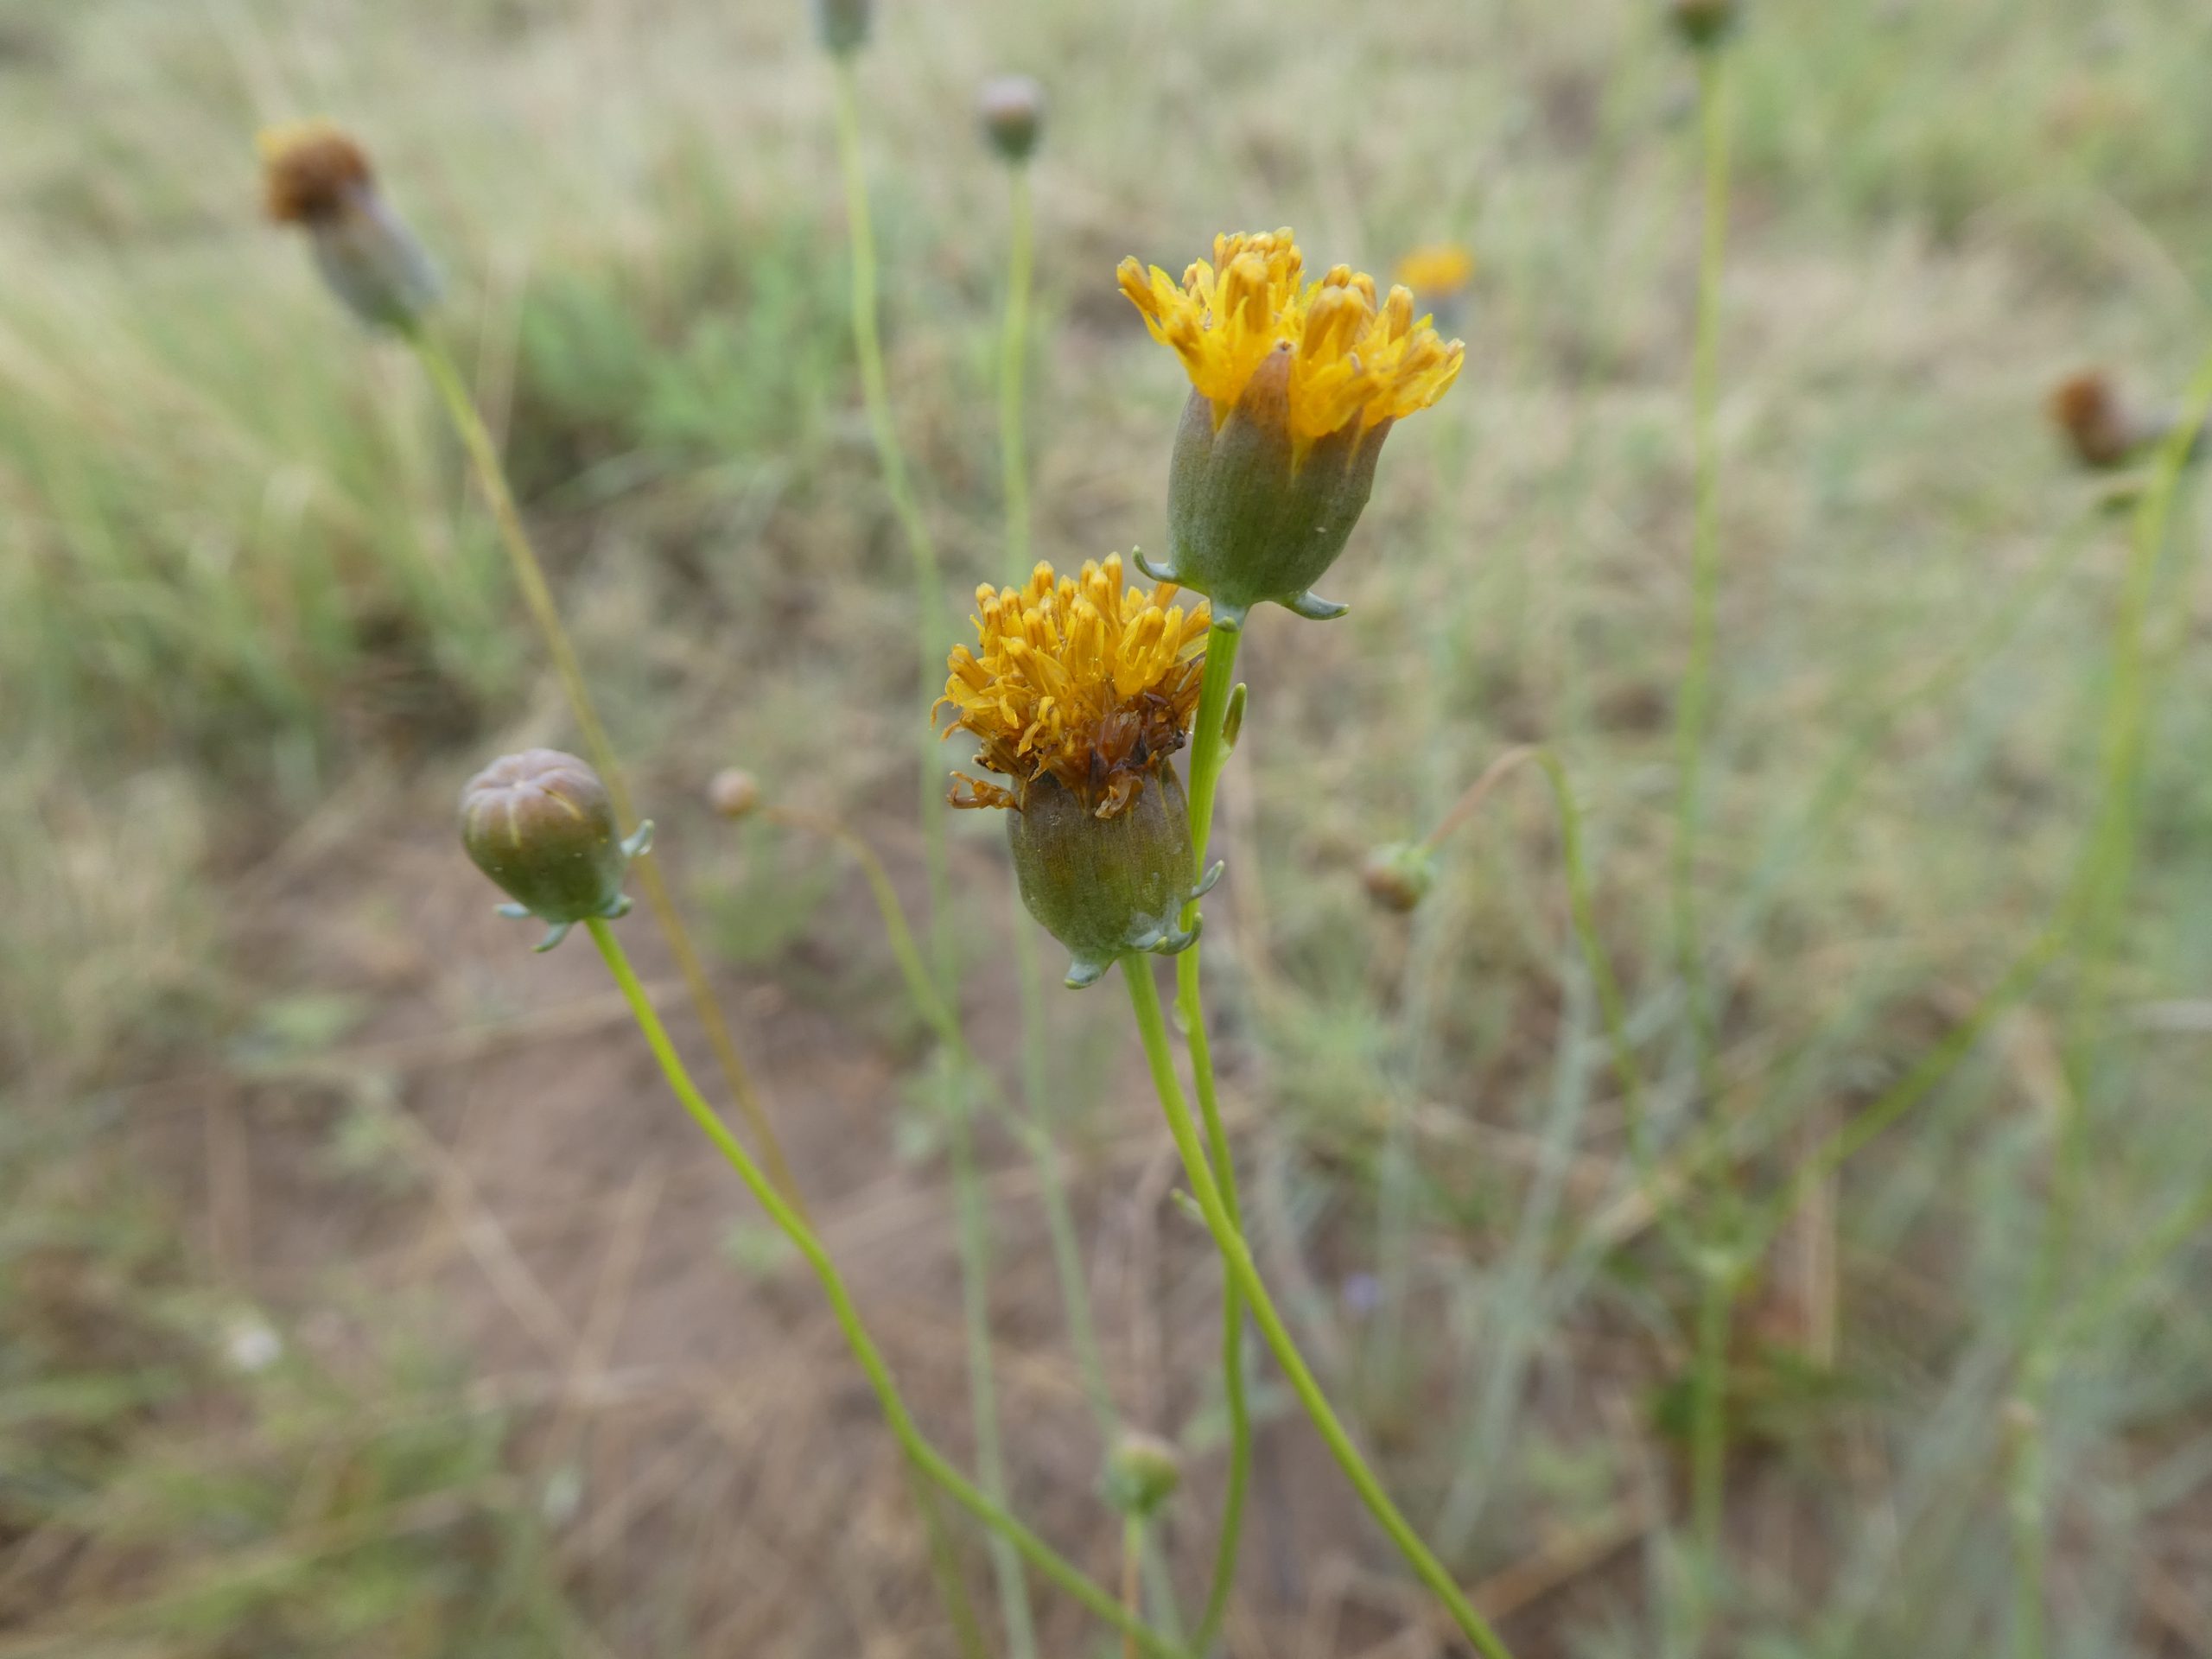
(317, 177)
(2104, 425)
(1012, 110)
(542, 825)
(1079, 693)
(1295, 385)
(843, 25)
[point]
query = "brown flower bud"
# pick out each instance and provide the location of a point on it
(2104, 426)
(542, 825)
(1398, 877)
(734, 792)
(1012, 108)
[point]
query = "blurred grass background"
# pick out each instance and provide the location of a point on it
(359, 1295)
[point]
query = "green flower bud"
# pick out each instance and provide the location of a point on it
(843, 26)
(1399, 876)
(1248, 520)
(1105, 888)
(1012, 108)
(318, 178)
(1704, 24)
(1142, 1472)
(542, 825)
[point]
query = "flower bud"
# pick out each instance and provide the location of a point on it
(1105, 888)
(733, 793)
(317, 177)
(843, 26)
(1398, 877)
(1142, 1472)
(542, 825)
(1012, 108)
(2104, 426)
(1704, 24)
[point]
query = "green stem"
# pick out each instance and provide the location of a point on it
(2097, 902)
(929, 619)
(1709, 1420)
(1209, 752)
(537, 598)
(928, 577)
(1013, 353)
(1236, 1260)
(1695, 708)
(925, 1457)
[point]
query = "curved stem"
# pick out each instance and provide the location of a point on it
(538, 599)
(1694, 710)
(1209, 751)
(925, 1457)
(1236, 1259)
(1014, 352)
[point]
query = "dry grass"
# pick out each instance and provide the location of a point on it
(544, 1386)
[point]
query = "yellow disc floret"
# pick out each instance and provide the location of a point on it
(1355, 359)
(1440, 269)
(1076, 679)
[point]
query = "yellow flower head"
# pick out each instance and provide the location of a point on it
(1441, 268)
(1078, 679)
(1353, 359)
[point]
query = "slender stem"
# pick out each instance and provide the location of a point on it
(928, 622)
(1695, 708)
(1236, 1259)
(538, 599)
(1708, 1417)
(928, 577)
(931, 1463)
(1132, 1582)
(1013, 353)
(2098, 900)
(1209, 751)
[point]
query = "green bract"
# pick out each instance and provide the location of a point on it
(1249, 520)
(1105, 888)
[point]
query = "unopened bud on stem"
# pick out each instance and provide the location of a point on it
(542, 825)
(1012, 110)
(1142, 1472)
(843, 26)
